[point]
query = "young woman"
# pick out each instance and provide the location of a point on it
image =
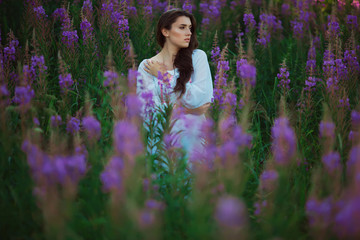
(179, 74)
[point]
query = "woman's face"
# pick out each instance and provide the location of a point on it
(180, 33)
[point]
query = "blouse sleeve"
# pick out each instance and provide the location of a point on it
(199, 90)
(145, 88)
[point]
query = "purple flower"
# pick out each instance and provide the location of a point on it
(36, 121)
(71, 167)
(59, 13)
(344, 103)
(148, 103)
(355, 119)
(283, 76)
(132, 77)
(154, 205)
(285, 9)
(132, 11)
(352, 22)
(92, 127)
(55, 121)
(354, 158)
(231, 212)
(351, 61)
(327, 129)
(148, 10)
(65, 81)
(270, 22)
(353, 135)
(284, 141)
(221, 75)
(39, 62)
(310, 84)
(205, 22)
(187, 6)
(9, 54)
(55, 169)
(127, 139)
(298, 29)
(23, 95)
(28, 75)
(259, 206)
(111, 176)
(87, 9)
(70, 38)
(146, 218)
(310, 65)
(3, 90)
(333, 27)
(264, 40)
(110, 78)
(268, 180)
(248, 73)
(249, 21)
(40, 12)
(347, 219)
(107, 8)
(73, 125)
(329, 65)
(87, 31)
(228, 34)
(219, 97)
(230, 100)
(319, 212)
(215, 54)
(312, 53)
(331, 162)
(133, 105)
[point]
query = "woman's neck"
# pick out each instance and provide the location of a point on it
(168, 54)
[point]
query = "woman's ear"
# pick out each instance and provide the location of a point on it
(165, 32)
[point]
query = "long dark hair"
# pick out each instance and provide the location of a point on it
(183, 59)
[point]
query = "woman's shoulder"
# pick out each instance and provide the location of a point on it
(198, 53)
(153, 58)
(141, 65)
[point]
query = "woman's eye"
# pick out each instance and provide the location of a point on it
(182, 27)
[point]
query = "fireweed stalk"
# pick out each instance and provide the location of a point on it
(56, 179)
(38, 19)
(221, 76)
(268, 25)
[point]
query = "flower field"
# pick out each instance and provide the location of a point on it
(282, 135)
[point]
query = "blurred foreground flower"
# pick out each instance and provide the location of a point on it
(111, 177)
(231, 212)
(73, 125)
(284, 141)
(23, 95)
(92, 127)
(65, 81)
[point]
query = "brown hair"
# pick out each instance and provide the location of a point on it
(183, 59)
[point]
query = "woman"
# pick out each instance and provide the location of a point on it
(179, 74)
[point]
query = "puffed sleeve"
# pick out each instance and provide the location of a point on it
(200, 89)
(146, 89)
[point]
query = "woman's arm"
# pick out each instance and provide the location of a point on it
(199, 91)
(196, 111)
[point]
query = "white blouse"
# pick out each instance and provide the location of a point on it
(199, 90)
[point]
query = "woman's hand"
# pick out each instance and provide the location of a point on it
(153, 67)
